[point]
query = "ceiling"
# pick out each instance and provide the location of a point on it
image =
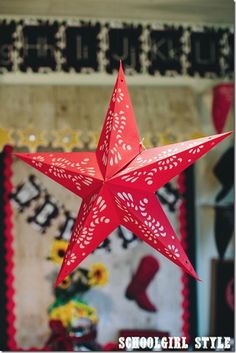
(187, 11)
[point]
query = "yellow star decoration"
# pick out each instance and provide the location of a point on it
(5, 138)
(146, 141)
(167, 137)
(196, 135)
(31, 138)
(93, 139)
(67, 139)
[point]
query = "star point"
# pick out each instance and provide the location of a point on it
(118, 183)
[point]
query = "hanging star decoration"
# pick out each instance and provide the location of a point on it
(118, 183)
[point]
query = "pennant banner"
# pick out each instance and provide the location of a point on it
(223, 95)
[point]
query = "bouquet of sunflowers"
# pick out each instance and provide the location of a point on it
(69, 308)
(71, 312)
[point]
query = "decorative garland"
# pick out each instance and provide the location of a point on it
(69, 139)
(10, 290)
(186, 227)
(82, 46)
(184, 277)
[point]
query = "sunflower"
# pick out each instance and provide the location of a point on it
(62, 313)
(98, 275)
(58, 251)
(65, 283)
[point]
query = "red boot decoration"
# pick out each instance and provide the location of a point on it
(136, 290)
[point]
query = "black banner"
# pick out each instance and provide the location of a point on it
(166, 50)
(39, 45)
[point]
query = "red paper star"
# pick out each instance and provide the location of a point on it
(118, 183)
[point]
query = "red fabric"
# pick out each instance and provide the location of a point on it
(61, 340)
(221, 105)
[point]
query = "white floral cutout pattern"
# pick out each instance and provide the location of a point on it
(80, 179)
(58, 169)
(85, 209)
(132, 177)
(118, 95)
(115, 122)
(152, 228)
(59, 164)
(83, 235)
(70, 258)
(169, 162)
(165, 160)
(38, 161)
(195, 148)
(136, 175)
(155, 226)
(172, 251)
(144, 161)
(104, 147)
